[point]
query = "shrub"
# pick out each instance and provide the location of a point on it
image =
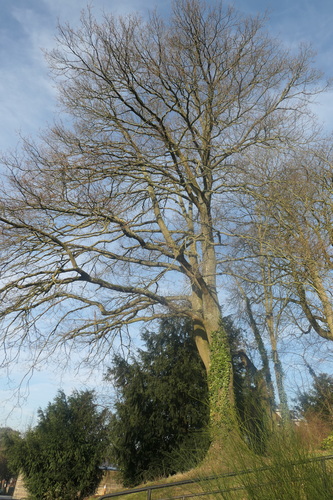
(59, 458)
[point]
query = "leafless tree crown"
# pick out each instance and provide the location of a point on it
(127, 213)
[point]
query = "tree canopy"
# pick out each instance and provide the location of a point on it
(318, 400)
(161, 414)
(60, 457)
(6, 471)
(132, 208)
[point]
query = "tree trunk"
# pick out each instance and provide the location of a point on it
(221, 386)
(214, 349)
(279, 377)
(267, 377)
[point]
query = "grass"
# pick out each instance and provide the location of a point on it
(283, 472)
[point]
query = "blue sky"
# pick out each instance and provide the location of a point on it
(28, 104)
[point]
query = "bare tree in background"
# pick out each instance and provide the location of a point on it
(125, 214)
(283, 254)
(297, 209)
(260, 294)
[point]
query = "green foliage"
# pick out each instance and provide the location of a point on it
(162, 409)
(6, 472)
(254, 416)
(232, 371)
(252, 402)
(60, 457)
(220, 379)
(327, 443)
(319, 399)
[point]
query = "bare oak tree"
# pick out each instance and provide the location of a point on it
(123, 215)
